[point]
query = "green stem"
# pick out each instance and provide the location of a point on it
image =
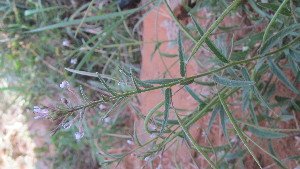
(180, 81)
(273, 20)
(213, 27)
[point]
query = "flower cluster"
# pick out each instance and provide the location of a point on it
(41, 112)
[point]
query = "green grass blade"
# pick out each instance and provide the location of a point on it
(190, 137)
(168, 96)
(237, 129)
(113, 107)
(281, 76)
(84, 17)
(210, 43)
(232, 83)
(181, 55)
(89, 19)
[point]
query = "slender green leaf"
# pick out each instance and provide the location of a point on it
(194, 95)
(213, 116)
(266, 133)
(273, 20)
(84, 73)
(295, 56)
(246, 97)
(190, 137)
(134, 81)
(272, 151)
(232, 83)
(161, 81)
(181, 55)
(237, 129)
(251, 109)
(168, 55)
(148, 117)
(281, 76)
(274, 7)
(256, 92)
(89, 19)
(273, 40)
(135, 136)
(210, 43)
(113, 107)
(105, 85)
(168, 96)
(223, 124)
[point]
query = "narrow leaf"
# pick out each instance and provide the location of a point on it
(168, 95)
(281, 76)
(84, 73)
(237, 129)
(210, 43)
(194, 95)
(113, 107)
(190, 137)
(181, 55)
(274, 7)
(161, 81)
(273, 40)
(256, 92)
(266, 133)
(223, 124)
(251, 109)
(105, 85)
(232, 83)
(212, 118)
(272, 151)
(134, 81)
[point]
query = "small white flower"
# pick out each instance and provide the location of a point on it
(153, 135)
(107, 119)
(64, 85)
(159, 166)
(204, 134)
(147, 158)
(245, 48)
(130, 142)
(101, 107)
(37, 109)
(66, 43)
(234, 140)
(79, 135)
(73, 61)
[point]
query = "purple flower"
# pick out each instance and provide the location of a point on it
(79, 135)
(41, 112)
(64, 85)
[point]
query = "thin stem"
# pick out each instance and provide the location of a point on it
(180, 81)
(273, 20)
(213, 27)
